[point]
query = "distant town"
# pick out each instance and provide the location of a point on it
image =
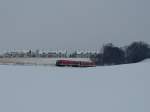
(109, 54)
(44, 54)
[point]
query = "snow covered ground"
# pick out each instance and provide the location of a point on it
(123, 88)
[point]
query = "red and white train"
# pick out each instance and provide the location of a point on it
(75, 63)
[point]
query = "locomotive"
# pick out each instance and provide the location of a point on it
(75, 63)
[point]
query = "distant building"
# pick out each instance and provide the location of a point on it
(52, 55)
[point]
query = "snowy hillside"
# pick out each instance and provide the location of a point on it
(123, 88)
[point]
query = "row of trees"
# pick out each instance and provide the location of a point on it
(112, 55)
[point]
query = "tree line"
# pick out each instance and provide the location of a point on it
(113, 55)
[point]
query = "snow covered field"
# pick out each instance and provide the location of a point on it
(124, 88)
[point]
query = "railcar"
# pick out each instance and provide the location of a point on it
(75, 63)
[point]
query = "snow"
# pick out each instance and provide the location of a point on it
(123, 88)
(146, 61)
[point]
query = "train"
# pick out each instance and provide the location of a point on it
(75, 63)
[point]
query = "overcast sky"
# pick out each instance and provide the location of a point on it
(72, 24)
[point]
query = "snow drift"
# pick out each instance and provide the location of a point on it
(123, 88)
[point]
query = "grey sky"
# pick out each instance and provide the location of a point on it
(72, 24)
